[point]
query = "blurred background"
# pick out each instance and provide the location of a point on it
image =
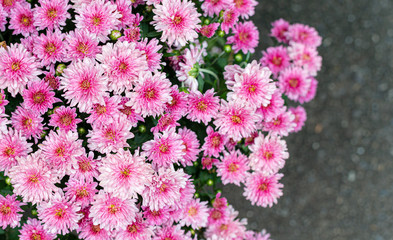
(338, 179)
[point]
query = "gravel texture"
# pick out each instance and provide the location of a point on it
(338, 180)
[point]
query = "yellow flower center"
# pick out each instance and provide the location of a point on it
(38, 97)
(236, 119)
(233, 167)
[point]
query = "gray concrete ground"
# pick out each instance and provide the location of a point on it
(339, 178)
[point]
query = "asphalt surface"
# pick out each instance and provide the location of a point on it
(339, 178)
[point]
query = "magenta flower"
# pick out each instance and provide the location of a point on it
(51, 14)
(208, 162)
(233, 168)
(28, 122)
(64, 118)
(85, 168)
(3, 18)
(282, 125)
(158, 217)
(246, 8)
(202, 107)
(178, 104)
(22, 19)
(166, 122)
(9, 211)
(303, 34)
(150, 51)
(89, 231)
(38, 97)
(213, 143)
(139, 230)
(311, 91)
(172, 232)
(191, 143)
(34, 230)
(294, 83)
(229, 18)
(209, 30)
(80, 44)
(50, 48)
(246, 37)
(214, 7)
(12, 145)
(124, 7)
(276, 59)
(274, 108)
(279, 30)
(300, 117)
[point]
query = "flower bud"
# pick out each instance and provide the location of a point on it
(115, 34)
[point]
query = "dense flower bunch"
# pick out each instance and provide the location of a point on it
(119, 119)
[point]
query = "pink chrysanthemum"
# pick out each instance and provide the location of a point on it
(129, 112)
(3, 18)
(38, 97)
(12, 145)
(151, 94)
(28, 122)
(312, 90)
(150, 51)
(282, 124)
(246, 37)
(3, 101)
(59, 215)
(80, 191)
(166, 122)
(17, 68)
(209, 30)
(195, 214)
(64, 118)
(22, 19)
(276, 59)
(279, 30)
(300, 117)
(213, 143)
(306, 57)
(123, 63)
(263, 190)
(173, 232)
(303, 34)
(34, 230)
(236, 121)
(228, 229)
(52, 79)
(50, 48)
(112, 212)
(191, 143)
(186, 195)
(124, 7)
(177, 20)
(89, 231)
(165, 149)
(110, 137)
(51, 14)
(268, 154)
(32, 179)
(178, 104)
(229, 18)
(84, 84)
(80, 44)
(131, 34)
(263, 235)
(274, 108)
(211, 7)
(85, 167)
(253, 87)
(139, 230)
(229, 75)
(158, 217)
(233, 168)
(208, 162)
(246, 8)
(124, 175)
(104, 114)
(60, 151)
(294, 83)
(164, 190)
(98, 17)
(202, 107)
(9, 208)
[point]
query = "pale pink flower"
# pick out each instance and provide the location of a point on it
(50, 48)
(229, 75)
(246, 8)
(51, 14)
(59, 215)
(3, 18)
(194, 214)
(300, 117)
(22, 19)
(124, 7)
(10, 211)
(178, 104)
(17, 68)
(246, 37)
(263, 235)
(111, 212)
(213, 143)
(263, 190)
(186, 195)
(80, 44)
(173, 232)
(228, 229)
(38, 97)
(177, 20)
(312, 90)
(268, 154)
(229, 18)
(233, 168)
(124, 175)
(165, 149)
(84, 84)
(303, 34)
(294, 83)
(151, 94)
(191, 143)
(32, 179)
(98, 17)
(110, 137)
(33, 229)
(104, 114)
(202, 107)
(282, 125)
(89, 231)
(274, 108)
(306, 57)
(85, 167)
(214, 7)
(220, 202)
(64, 118)
(150, 51)
(129, 112)
(209, 30)
(28, 122)
(138, 230)
(80, 191)
(276, 59)
(279, 30)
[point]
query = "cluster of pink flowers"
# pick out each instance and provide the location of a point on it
(112, 111)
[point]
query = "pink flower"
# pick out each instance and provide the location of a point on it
(64, 118)
(166, 122)
(172, 232)
(124, 8)
(268, 154)
(263, 235)
(112, 212)
(229, 19)
(211, 7)
(129, 112)
(85, 167)
(98, 17)
(246, 8)
(32, 179)
(191, 143)
(151, 94)
(300, 117)
(194, 214)
(303, 34)
(9, 208)
(124, 175)
(282, 125)
(306, 57)
(59, 215)
(84, 84)
(150, 51)
(165, 149)
(38, 97)
(276, 59)
(246, 37)
(228, 229)
(3, 101)
(89, 231)
(34, 230)
(233, 168)
(178, 104)
(17, 68)
(131, 34)
(52, 14)
(294, 83)
(208, 162)
(50, 48)
(138, 230)
(236, 121)
(158, 217)
(80, 44)
(209, 30)
(279, 30)
(52, 80)
(311, 91)
(213, 143)
(3, 18)
(177, 20)
(22, 19)
(202, 107)
(80, 191)
(110, 137)
(12, 145)
(229, 74)
(263, 190)
(28, 122)
(103, 114)
(274, 108)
